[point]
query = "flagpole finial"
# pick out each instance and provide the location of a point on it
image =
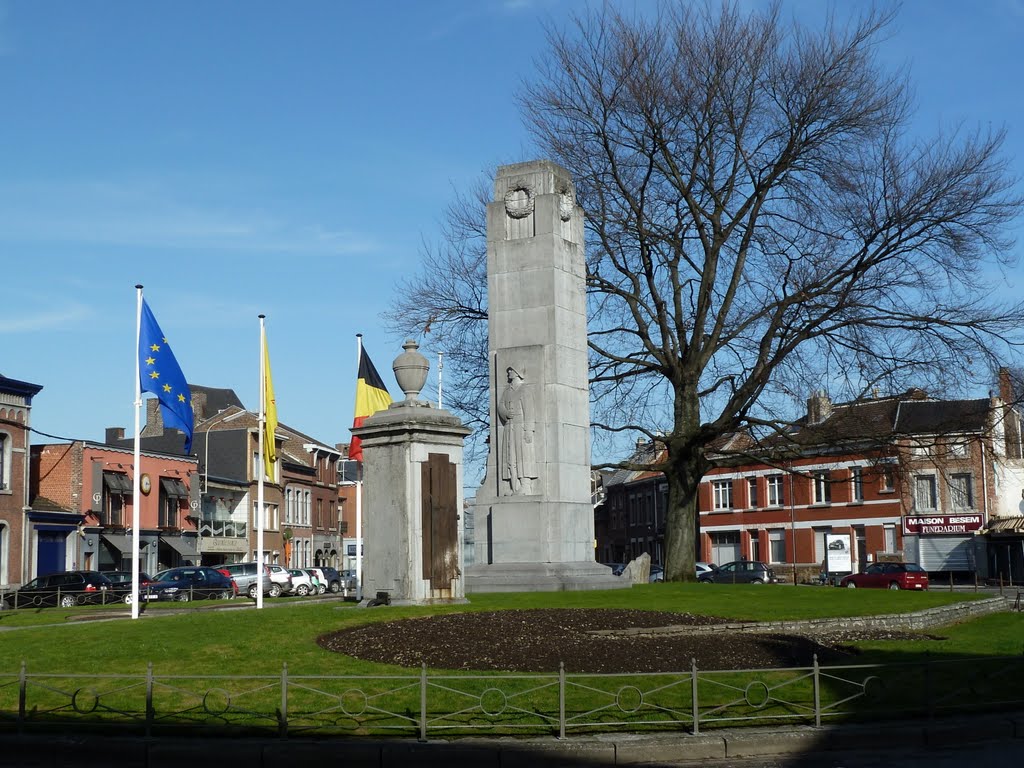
(138, 286)
(261, 317)
(359, 335)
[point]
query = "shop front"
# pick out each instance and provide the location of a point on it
(943, 543)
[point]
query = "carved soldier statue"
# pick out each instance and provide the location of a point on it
(518, 458)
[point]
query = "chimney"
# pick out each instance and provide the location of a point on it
(154, 419)
(199, 406)
(113, 435)
(1006, 393)
(819, 407)
(641, 444)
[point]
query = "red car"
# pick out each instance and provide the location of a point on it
(888, 576)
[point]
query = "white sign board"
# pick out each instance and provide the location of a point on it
(837, 553)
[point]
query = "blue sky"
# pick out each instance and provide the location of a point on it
(289, 159)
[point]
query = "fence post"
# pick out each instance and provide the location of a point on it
(22, 696)
(817, 693)
(423, 702)
(283, 716)
(561, 699)
(149, 699)
(693, 696)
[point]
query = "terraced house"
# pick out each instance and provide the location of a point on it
(20, 527)
(908, 476)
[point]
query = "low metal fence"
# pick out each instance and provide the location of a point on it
(424, 704)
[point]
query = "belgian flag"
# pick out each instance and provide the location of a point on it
(371, 396)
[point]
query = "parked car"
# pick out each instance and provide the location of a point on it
(617, 568)
(122, 581)
(66, 589)
(888, 576)
(657, 574)
(245, 574)
(349, 582)
(319, 579)
(740, 572)
(333, 578)
(280, 576)
(191, 582)
(302, 584)
(706, 568)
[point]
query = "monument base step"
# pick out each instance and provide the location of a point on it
(541, 577)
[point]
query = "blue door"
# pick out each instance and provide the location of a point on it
(51, 552)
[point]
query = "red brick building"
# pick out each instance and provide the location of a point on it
(83, 508)
(15, 412)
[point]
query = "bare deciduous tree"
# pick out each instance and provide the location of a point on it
(760, 224)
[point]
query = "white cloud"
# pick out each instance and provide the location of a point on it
(64, 318)
(145, 215)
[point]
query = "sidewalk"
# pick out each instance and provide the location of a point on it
(791, 745)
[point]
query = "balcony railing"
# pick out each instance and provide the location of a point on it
(229, 529)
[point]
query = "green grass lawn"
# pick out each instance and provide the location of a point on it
(248, 641)
(206, 660)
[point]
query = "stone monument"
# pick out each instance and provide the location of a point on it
(412, 487)
(533, 515)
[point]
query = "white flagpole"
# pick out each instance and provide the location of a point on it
(440, 372)
(260, 473)
(359, 494)
(137, 470)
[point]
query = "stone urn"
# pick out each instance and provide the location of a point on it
(411, 369)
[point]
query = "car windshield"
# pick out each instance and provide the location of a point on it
(914, 568)
(168, 575)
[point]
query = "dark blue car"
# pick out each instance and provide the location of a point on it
(193, 582)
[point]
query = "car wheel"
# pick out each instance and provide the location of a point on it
(850, 585)
(68, 601)
(252, 591)
(275, 589)
(222, 595)
(894, 585)
(302, 590)
(322, 589)
(757, 581)
(335, 587)
(184, 597)
(127, 599)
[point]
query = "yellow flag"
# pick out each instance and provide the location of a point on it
(270, 415)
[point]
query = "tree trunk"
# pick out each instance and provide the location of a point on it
(685, 466)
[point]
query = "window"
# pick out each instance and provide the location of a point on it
(775, 496)
(888, 479)
(725, 546)
(723, 494)
(115, 487)
(755, 546)
(752, 493)
(271, 516)
(856, 484)
(777, 546)
(822, 487)
(890, 538)
(257, 469)
(925, 497)
(959, 448)
(920, 449)
(961, 491)
(819, 542)
(5, 461)
(168, 515)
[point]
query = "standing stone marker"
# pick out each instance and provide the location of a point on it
(533, 515)
(412, 469)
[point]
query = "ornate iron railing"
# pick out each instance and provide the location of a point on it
(499, 704)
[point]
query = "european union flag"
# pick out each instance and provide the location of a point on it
(160, 374)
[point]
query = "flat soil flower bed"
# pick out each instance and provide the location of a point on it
(537, 640)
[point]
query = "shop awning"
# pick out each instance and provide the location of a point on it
(184, 546)
(1005, 525)
(174, 488)
(117, 483)
(122, 541)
